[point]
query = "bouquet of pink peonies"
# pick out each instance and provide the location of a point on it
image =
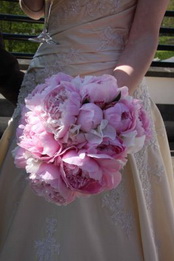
(75, 134)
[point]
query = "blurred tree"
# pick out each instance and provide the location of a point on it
(167, 39)
(7, 7)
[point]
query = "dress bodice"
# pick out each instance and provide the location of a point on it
(89, 31)
(67, 14)
(91, 36)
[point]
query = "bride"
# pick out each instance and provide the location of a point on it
(133, 222)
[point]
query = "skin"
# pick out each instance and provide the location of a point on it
(33, 8)
(142, 42)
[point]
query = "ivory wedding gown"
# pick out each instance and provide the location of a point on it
(133, 222)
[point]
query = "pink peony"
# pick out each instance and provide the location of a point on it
(90, 117)
(111, 172)
(81, 173)
(143, 124)
(76, 137)
(36, 140)
(51, 83)
(114, 148)
(56, 108)
(20, 157)
(61, 105)
(122, 116)
(57, 79)
(48, 183)
(89, 174)
(103, 131)
(132, 142)
(102, 89)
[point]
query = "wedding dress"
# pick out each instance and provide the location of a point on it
(133, 222)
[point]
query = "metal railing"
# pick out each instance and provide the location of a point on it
(166, 31)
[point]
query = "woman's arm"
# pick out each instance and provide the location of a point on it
(142, 43)
(33, 8)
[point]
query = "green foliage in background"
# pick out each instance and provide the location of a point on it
(167, 22)
(18, 28)
(35, 29)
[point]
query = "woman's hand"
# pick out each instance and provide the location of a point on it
(142, 43)
(33, 8)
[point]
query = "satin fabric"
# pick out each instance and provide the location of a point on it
(132, 222)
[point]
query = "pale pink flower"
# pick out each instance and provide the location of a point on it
(132, 142)
(104, 130)
(76, 138)
(111, 172)
(50, 82)
(90, 116)
(122, 116)
(89, 174)
(47, 182)
(61, 106)
(20, 157)
(100, 90)
(114, 148)
(56, 103)
(36, 140)
(57, 79)
(81, 173)
(143, 124)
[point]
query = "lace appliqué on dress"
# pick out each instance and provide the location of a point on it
(99, 7)
(48, 246)
(89, 9)
(116, 202)
(110, 37)
(148, 170)
(25, 89)
(35, 76)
